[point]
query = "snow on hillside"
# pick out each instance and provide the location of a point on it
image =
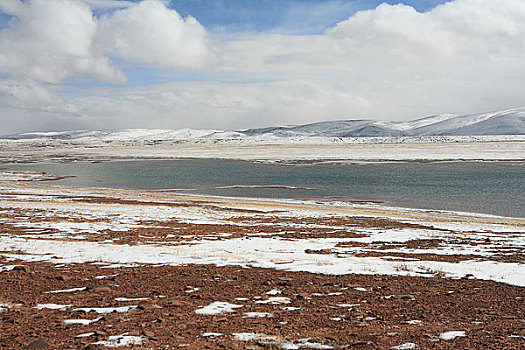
(506, 122)
(117, 135)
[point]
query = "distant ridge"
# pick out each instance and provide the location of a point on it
(506, 122)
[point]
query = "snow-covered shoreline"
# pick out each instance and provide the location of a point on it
(61, 150)
(264, 233)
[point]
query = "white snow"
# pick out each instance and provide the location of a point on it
(348, 305)
(70, 290)
(414, 322)
(254, 337)
(274, 300)
(273, 292)
(258, 252)
(452, 335)
(52, 306)
(217, 308)
(116, 341)
(85, 335)
(257, 314)
(107, 310)
(81, 321)
(406, 346)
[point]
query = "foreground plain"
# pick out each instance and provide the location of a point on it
(92, 268)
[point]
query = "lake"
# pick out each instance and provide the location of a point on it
(481, 187)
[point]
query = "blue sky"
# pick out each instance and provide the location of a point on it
(292, 16)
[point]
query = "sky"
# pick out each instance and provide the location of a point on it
(234, 64)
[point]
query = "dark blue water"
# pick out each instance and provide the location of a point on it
(482, 187)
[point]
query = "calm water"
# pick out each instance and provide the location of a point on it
(482, 187)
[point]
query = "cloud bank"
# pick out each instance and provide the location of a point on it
(56, 40)
(391, 62)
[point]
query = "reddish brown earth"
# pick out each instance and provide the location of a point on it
(492, 314)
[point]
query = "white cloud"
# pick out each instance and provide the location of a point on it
(391, 62)
(389, 38)
(29, 94)
(51, 41)
(216, 105)
(55, 40)
(149, 32)
(108, 4)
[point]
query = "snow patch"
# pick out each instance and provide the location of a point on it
(452, 335)
(217, 308)
(274, 300)
(117, 341)
(52, 307)
(107, 310)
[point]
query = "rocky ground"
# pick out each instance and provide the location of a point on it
(93, 268)
(271, 309)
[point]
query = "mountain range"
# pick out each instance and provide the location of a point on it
(506, 122)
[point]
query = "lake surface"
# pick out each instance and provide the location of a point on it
(481, 187)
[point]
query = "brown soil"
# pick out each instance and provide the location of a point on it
(491, 314)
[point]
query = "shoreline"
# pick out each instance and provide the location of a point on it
(381, 206)
(63, 150)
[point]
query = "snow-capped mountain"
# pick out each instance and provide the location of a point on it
(116, 135)
(507, 122)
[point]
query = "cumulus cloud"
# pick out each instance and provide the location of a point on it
(149, 32)
(55, 40)
(452, 33)
(51, 41)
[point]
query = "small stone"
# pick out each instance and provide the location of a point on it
(146, 306)
(37, 344)
(148, 334)
(65, 278)
(177, 303)
(22, 268)
(92, 347)
(98, 289)
(134, 333)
